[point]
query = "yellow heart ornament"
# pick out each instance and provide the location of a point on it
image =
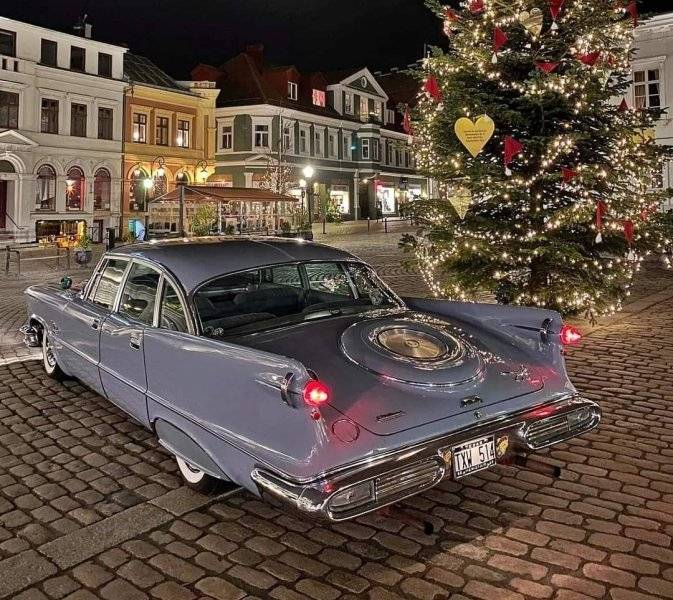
(461, 200)
(532, 21)
(474, 135)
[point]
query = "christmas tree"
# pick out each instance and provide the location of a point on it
(547, 191)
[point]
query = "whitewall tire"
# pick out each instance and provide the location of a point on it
(49, 362)
(197, 479)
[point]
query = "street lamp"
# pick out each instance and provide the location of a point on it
(308, 173)
(202, 169)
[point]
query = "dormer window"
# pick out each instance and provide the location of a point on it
(292, 90)
(318, 98)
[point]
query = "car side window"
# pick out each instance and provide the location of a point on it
(172, 313)
(285, 275)
(140, 293)
(328, 278)
(95, 278)
(109, 282)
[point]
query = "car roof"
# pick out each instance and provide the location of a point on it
(195, 260)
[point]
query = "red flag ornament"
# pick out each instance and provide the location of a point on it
(568, 174)
(432, 88)
(589, 59)
(499, 40)
(632, 9)
(547, 67)
(476, 6)
(601, 211)
(623, 106)
(450, 17)
(406, 122)
(513, 147)
(555, 7)
(629, 231)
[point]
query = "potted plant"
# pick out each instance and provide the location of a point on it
(83, 252)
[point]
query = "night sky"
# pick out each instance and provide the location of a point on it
(313, 34)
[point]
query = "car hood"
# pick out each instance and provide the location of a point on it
(392, 370)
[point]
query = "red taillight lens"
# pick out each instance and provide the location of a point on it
(570, 335)
(316, 393)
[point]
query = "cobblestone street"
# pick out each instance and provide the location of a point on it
(91, 506)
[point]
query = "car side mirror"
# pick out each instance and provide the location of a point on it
(66, 283)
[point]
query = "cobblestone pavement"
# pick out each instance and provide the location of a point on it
(91, 506)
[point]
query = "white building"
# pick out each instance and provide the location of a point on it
(653, 78)
(61, 113)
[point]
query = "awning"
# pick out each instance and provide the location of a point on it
(214, 193)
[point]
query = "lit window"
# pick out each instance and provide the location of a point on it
(227, 137)
(364, 108)
(292, 90)
(348, 103)
(74, 189)
(46, 188)
(647, 88)
(261, 136)
(161, 137)
(365, 149)
(318, 98)
(139, 128)
(183, 134)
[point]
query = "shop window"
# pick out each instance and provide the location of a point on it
(9, 110)
(78, 115)
(340, 197)
(161, 138)
(386, 199)
(49, 116)
(46, 189)
(139, 128)
(102, 190)
(74, 189)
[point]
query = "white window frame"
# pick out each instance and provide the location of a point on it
(365, 145)
(318, 141)
(306, 131)
(287, 124)
(333, 143)
(347, 141)
(292, 90)
(399, 155)
(646, 65)
(376, 150)
(225, 123)
(364, 102)
(348, 103)
(390, 116)
(389, 153)
(262, 122)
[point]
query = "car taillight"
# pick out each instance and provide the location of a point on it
(316, 393)
(570, 335)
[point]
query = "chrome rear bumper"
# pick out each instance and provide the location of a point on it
(402, 473)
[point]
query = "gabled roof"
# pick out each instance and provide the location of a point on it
(141, 70)
(401, 86)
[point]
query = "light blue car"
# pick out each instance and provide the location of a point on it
(291, 369)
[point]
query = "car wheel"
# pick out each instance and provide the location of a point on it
(196, 479)
(49, 362)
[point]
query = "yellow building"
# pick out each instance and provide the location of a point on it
(169, 137)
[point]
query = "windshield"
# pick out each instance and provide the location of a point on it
(272, 297)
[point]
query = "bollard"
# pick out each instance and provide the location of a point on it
(7, 261)
(369, 224)
(324, 225)
(385, 224)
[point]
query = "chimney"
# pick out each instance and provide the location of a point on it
(82, 28)
(256, 52)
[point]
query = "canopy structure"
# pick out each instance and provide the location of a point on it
(238, 210)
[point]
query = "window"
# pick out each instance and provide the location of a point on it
(398, 156)
(77, 58)
(348, 103)
(49, 118)
(104, 64)
(364, 108)
(74, 189)
(390, 116)
(140, 128)
(139, 294)
(328, 278)
(318, 98)
(332, 145)
(172, 313)
(261, 136)
(78, 120)
(376, 149)
(389, 153)
(227, 137)
(108, 284)
(407, 157)
(9, 110)
(292, 90)
(7, 43)
(347, 147)
(647, 88)
(161, 135)
(49, 53)
(303, 141)
(365, 149)
(184, 134)
(46, 189)
(318, 149)
(105, 123)
(288, 137)
(102, 190)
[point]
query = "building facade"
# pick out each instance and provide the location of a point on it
(61, 112)
(273, 122)
(652, 85)
(169, 137)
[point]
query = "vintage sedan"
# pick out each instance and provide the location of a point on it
(291, 369)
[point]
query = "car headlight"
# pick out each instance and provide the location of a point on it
(355, 495)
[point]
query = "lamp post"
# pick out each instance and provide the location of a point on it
(308, 173)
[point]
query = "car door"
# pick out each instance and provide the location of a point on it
(77, 330)
(122, 357)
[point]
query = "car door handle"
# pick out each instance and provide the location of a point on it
(54, 327)
(95, 324)
(135, 342)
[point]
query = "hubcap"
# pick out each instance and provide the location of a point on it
(49, 354)
(411, 343)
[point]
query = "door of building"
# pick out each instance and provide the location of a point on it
(3, 204)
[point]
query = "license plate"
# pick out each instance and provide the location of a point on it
(473, 456)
